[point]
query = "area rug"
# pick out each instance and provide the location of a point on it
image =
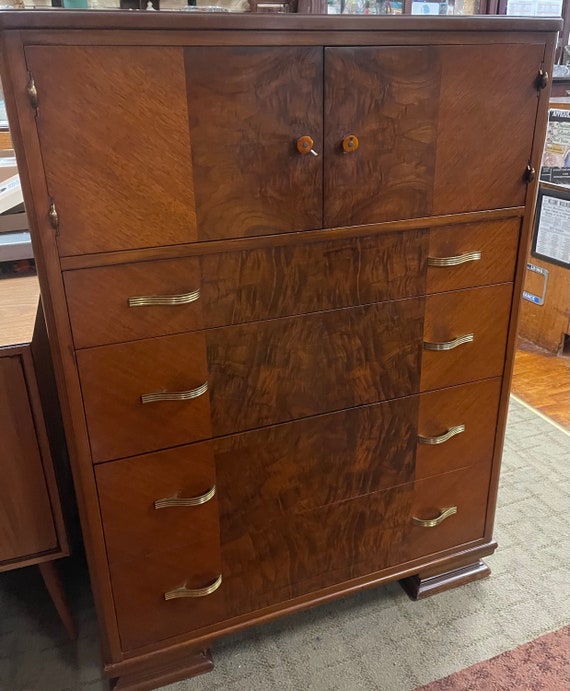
(540, 665)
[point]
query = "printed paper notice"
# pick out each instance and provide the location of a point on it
(553, 232)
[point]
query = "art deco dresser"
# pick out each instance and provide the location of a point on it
(281, 258)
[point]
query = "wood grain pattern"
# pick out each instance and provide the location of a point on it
(113, 378)
(546, 325)
(272, 473)
(244, 286)
(254, 103)
(26, 521)
(125, 182)
(144, 616)
(19, 299)
(474, 405)
(484, 145)
(388, 98)
(133, 527)
(483, 312)
(285, 559)
(279, 370)
(467, 489)
(498, 243)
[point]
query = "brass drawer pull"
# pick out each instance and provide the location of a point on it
(450, 345)
(442, 438)
(175, 395)
(454, 261)
(432, 522)
(151, 300)
(183, 591)
(168, 502)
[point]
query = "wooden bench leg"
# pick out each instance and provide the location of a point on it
(54, 587)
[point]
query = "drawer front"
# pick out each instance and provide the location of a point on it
(26, 521)
(275, 472)
(259, 374)
(114, 379)
(164, 500)
(470, 255)
(141, 586)
(274, 371)
(480, 314)
(236, 287)
(463, 495)
(260, 567)
(456, 427)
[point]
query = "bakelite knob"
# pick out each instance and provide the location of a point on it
(305, 145)
(350, 144)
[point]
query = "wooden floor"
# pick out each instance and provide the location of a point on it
(543, 381)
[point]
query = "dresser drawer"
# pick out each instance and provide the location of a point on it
(456, 427)
(473, 254)
(221, 288)
(161, 501)
(258, 374)
(152, 598)
(448, 510)
(465, 335)
(114, 379)
(275, 472)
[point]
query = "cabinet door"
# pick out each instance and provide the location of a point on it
(147, 146)
(440, 129)
(248, 106)
(26, 521)
(113, 127)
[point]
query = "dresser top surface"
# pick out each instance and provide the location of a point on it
(18, 307)
(177, 20)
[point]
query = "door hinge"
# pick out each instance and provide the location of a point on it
(529, 173)
(32, 91)
(53, 217)
(542, 79)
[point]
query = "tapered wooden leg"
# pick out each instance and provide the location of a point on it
(54, 587)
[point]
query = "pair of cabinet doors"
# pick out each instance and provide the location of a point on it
(211, 149)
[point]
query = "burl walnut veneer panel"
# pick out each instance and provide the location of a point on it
(245, 285)
(247, 107)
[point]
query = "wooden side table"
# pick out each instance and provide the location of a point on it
(31, 522)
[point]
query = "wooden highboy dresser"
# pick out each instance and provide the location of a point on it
(281, 259)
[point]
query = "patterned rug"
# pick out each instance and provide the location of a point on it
(540, 665)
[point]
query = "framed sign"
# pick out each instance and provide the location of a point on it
(551, 240)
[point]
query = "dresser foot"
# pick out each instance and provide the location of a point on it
(191, 665)
(419, 586)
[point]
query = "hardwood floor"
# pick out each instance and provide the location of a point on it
(543, 381)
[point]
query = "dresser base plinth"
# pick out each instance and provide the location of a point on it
(191, 665)
(419, 587)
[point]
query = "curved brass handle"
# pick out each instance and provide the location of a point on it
(454, 261)
(151, 300)
(350, 144)
(305, 145)
(442, 438)
(175, 395)
(450, 345)
(168, 502)
(432, 522)
(183, 591)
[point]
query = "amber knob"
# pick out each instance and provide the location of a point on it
(305, 145)
(350, 144)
